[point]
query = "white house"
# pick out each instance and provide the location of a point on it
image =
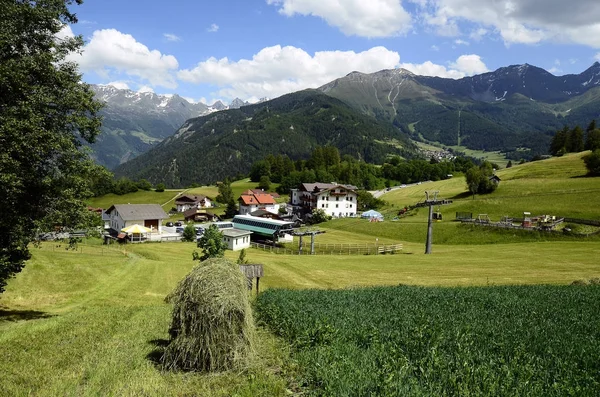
(148, 215)
(236, 239)
(335, 199)
(251, 201)
(187, 201)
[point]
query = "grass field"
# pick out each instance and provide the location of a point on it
(557, 186)
(89, 322)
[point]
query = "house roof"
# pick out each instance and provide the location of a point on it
(134, 212)
(235, 232)
(188, 198)
(256, 199)
(318, 186)
(264, 213)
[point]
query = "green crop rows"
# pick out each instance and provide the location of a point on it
(413, 341)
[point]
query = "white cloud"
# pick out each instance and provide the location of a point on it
(65, 32)
(555, 71)
(373, 18)
(478, 34)
(213, 28)
(465, 65)
(461, 42)
(145, 88)
(523, 21)
(597, 57)
(277, 70)
(435, 48)
(469, 65)
(171, 37)
(121, 85)
(111, 51)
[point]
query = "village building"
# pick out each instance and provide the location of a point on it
(335, 199)
(186, 201)
(196, 214)
(252, 200)
(147, 215)
(236, 239)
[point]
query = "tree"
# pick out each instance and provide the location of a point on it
(319, 216)
(265, 183)
(143, 184)
(189, 233)
(225, 195)
(242, 258)
(509, 164)
(160, 188)
(558, 143)
(592, 162)
(366, 200)
(574, 143)
(212, 244)
(260, 168)
(474, 177)
(592, 140)
(45, 114)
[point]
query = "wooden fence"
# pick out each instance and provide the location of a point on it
(332, 249)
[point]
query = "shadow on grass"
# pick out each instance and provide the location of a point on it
(463, 195)
(22, 315)
(155, 355)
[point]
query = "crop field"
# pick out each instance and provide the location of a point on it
(415, 341)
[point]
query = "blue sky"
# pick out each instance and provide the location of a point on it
(208, 50)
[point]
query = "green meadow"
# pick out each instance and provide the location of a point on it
(90, 321)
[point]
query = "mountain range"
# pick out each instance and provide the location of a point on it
(515, 109)
(134, 122)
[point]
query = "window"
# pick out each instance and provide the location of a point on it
(350, 205)
(322, 205)
(337, 198)
(337, 206)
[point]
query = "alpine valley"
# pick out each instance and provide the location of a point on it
(134, 122)
(515, 110)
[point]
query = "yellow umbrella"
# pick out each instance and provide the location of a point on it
(136, 229)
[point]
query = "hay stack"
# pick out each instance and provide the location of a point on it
(212, 327)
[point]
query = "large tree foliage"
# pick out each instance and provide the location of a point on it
(478, 179)
(45, 112)
(592, 162)
(212, 244)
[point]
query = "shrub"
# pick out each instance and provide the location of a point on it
(160, 188)
(189, 233)
(212, 327)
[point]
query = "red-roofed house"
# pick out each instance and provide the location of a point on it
(252, 200)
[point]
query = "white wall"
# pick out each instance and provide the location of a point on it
(237, 243)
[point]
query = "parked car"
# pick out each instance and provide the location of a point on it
(179, 230)
(178, 224)
(169, 224)
(199, 231)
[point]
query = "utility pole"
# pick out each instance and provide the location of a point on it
(431, 199)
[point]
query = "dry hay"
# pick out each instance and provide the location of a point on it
(212, 327)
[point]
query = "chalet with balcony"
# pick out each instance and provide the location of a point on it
(186, 201)
(335, 199)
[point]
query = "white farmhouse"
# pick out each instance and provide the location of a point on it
(335, 199)
(124, 215)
